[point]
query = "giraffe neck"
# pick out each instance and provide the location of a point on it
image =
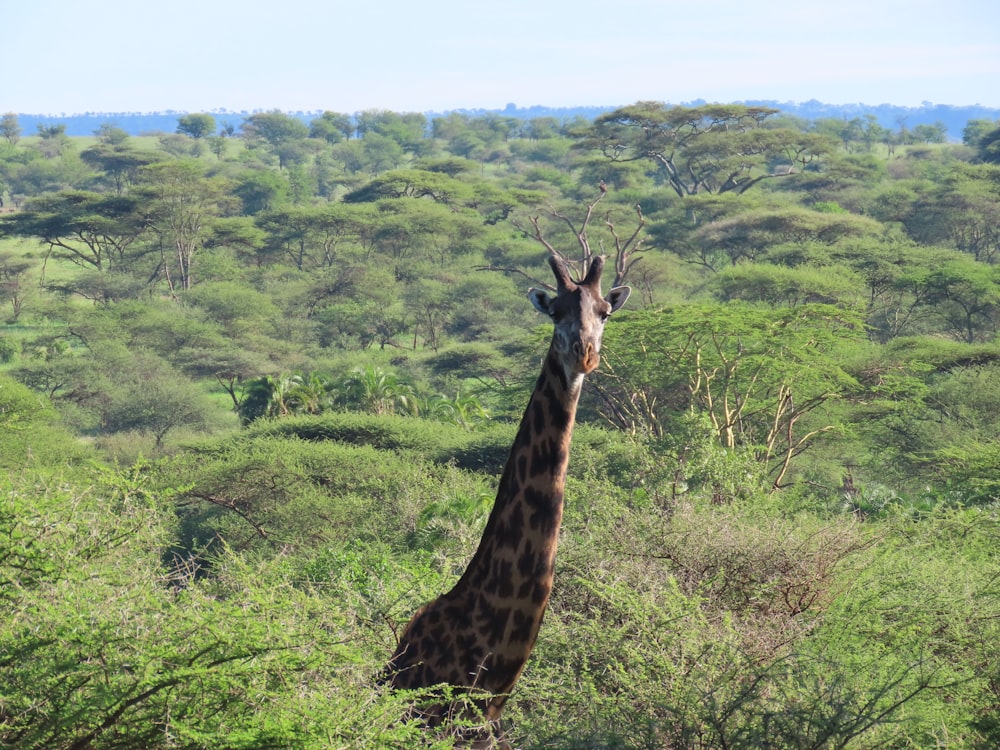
(510, 576)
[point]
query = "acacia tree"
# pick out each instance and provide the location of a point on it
(961, 294)
(332, 127)
(758, 375)
(713, 148)
(408, 129)
(91, 230)
(961, 210)
(182, 204)
(726, 233)
(119, 161)
(196, 125)
(54, 140)
(14, 286)
(10, 128)
(147, 394)
(283, 133)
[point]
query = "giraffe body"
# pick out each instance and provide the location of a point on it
(479, 635)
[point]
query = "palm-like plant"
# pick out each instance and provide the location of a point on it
(309, 394)
(274, 397)
(378, 391)
(464, 410)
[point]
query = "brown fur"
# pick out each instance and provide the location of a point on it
(478, 636)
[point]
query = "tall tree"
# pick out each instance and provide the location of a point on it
(283, 134)
(309, 236)
(53, 139)
(196, 125)
(736, 236)
(121, 163)
(975, 129)
(989, 147)
(961, 210)
(332, 127)
(712, 148)
(963, 295)
(758, 375)
(10, 129)
(111, 134)
(275, 128)
(181, 206)
(90, 230)
(409, 129)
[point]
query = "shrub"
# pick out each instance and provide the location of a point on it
(103, 647)
(8, 349)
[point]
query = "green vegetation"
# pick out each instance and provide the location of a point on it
(256, 386)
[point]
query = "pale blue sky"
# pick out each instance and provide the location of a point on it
(74, 56)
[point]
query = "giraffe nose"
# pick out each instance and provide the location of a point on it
(586, 354)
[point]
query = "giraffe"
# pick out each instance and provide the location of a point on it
(478, 636)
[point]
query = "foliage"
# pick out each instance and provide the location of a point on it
(368, 389)
(31, 435)
(650, 651)
(758, 374)
(258, 386)
(105, 647)
(712, 148)
(198, 125)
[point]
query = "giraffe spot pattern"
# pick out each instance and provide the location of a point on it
(509, 531)
(523, 630)
(538, 416)
(494, 624)
(522, 474)
(541, 461)
(544, 511)
(482, 631)
(527, 563)
(503, 578)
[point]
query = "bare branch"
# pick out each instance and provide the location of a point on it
(520, 272)
(625, 247)
(625, 250)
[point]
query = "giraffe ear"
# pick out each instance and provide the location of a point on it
(617, 296)
(540, 300)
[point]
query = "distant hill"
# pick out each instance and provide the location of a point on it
(889, 116)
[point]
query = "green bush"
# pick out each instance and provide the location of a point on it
(273, 494)
(30, 432)
(730, 627)
(104, 647)
(8, 349)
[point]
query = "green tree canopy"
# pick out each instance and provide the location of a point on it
(181, 205)
(759, 375)
(408, 130)
(196, 125)
(746, 235)
(961, 210)
(711, 148)
(332, 127)
(10, 128)
(121, 163)
(88, 229)
(274, 128)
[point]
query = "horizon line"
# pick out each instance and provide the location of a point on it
(509, 107)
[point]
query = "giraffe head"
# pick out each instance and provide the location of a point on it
(579, 313)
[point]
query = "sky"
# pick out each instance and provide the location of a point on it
(77, 56)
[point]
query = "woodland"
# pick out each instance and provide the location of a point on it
(257, 384)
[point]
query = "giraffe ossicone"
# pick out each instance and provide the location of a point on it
(478, 635)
